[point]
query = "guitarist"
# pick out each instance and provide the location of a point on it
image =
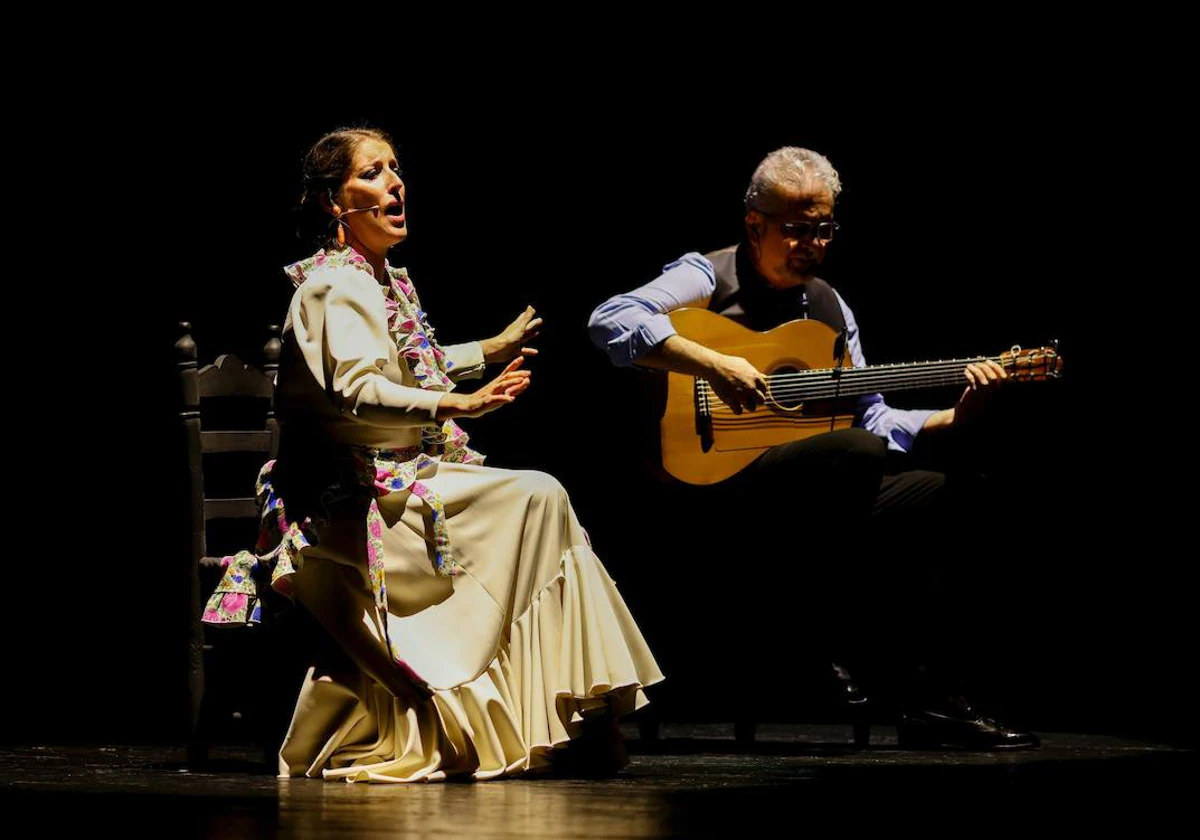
(836, 483)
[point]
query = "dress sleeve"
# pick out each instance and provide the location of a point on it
(464, 361)
(340, 327)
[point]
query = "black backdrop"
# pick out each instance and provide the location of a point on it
(973, 217)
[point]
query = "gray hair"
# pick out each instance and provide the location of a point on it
(789, 168)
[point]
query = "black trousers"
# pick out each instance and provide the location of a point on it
(856, 552)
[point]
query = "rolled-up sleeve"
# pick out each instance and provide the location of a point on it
(627, 326)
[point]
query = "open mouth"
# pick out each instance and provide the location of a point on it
(395, 212)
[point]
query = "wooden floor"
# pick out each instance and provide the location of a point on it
(695, 781)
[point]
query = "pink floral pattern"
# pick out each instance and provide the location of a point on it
(278, 552)
(276, 557)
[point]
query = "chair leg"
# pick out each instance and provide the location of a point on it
(198, 730)
(648, 724)
(862, 733)
(276, 699)
(744, 720)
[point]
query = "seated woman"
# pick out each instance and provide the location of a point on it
(476, 632)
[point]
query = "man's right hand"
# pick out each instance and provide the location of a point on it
(738, 383)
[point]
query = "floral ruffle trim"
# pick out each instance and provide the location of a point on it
(298, 272)
(276, 557)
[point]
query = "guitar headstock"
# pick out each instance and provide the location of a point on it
(1032, 365)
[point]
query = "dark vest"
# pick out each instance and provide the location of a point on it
(742, 295)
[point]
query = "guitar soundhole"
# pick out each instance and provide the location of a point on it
(783, 390)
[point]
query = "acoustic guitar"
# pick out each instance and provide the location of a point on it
(812, 388)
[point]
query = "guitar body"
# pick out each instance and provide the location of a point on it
(702, 449)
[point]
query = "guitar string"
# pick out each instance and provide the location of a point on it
(820, 386)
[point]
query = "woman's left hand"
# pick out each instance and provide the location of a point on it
(511, 343)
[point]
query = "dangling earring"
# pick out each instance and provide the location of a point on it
(341, 226)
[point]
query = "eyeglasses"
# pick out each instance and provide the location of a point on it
(822, 231)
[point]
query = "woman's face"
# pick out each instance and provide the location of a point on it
(374, 181)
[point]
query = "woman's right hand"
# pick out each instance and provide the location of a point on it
(500, 391)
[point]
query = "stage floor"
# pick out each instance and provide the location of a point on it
(694, 781)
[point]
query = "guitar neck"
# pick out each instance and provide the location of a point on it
(853, 382)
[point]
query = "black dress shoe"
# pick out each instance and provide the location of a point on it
(851, 695)
(956, 724)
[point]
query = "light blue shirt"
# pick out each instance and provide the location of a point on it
(628, 326)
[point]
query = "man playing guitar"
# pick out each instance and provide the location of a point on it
(834, 489)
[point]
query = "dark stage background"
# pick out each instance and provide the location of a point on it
(969, 223)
